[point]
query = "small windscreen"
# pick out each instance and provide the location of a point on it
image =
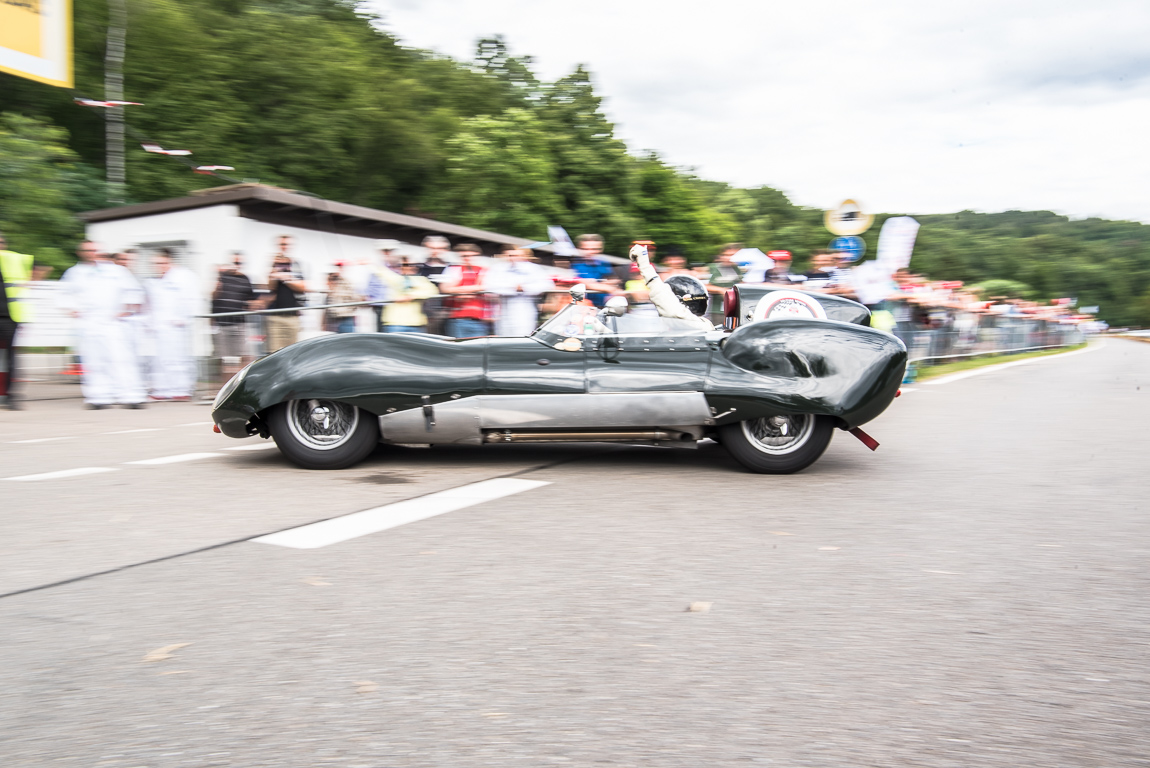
(580, 320)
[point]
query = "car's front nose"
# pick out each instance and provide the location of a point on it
(234, 407)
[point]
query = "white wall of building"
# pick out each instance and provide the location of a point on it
(204, 238)
(201, 237)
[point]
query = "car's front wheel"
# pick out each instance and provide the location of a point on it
(778, 445)
(323, 434)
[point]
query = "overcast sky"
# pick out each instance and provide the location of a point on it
(915, 107)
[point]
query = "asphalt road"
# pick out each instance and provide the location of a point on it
(974, 593)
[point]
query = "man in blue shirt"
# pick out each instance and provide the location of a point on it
(590, 268)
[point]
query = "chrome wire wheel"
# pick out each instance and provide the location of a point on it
(779, 435)
(321, 424)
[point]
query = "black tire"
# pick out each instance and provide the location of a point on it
(323, 434)
(778, 445)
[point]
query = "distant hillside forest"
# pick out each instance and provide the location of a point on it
(315, 95)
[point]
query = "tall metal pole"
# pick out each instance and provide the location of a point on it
(116, 173)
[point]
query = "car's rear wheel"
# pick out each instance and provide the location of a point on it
(778, 445)
(323, 434)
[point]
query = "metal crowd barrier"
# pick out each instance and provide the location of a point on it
(50, 365)
(255, 332)
(972, 335)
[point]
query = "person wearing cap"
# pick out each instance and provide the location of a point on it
(781, 271)
(409, 290)
(15, 272)
(389, 257)
(340, 291)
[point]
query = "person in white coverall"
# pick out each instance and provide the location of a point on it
(519, 283)
(666, 299)
(136, 330)
(173, 299)
(101, 296)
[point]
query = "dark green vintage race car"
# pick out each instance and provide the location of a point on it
(788, 369)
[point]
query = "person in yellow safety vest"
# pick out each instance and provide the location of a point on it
(15, 272)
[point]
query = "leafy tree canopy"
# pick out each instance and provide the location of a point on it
(44, 187)
(317, 95)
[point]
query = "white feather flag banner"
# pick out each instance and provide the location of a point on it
(896, 243)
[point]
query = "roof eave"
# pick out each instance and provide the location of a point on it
(254, 193)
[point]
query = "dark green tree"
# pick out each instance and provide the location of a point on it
(500, 176)
(318, 95)
(44, 187)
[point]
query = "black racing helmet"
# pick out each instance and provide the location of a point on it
(691, 292)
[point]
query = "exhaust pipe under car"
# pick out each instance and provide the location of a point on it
(589, 436)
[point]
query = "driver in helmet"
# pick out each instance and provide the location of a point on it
(681, 296)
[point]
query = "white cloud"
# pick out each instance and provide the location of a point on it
(907, 106)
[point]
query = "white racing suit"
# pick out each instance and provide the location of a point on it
(100, 293)
(661, 294)
(172, 300)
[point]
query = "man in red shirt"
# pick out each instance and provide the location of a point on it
(463, 283)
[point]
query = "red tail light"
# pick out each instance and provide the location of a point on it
(731, 308)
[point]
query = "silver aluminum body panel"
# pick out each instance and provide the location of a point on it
(464, 421)
(588, 411)
(456, 421)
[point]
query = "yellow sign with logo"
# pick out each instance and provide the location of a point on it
(848, 219)
(36, 40)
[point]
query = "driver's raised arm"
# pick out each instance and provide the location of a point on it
(661, 294)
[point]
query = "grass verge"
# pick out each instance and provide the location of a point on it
(942, 369)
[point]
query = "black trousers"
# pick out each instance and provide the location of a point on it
(7, 336)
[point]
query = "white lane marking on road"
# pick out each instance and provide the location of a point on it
(197, 424)
(175, 459)
(132, 431)
(392, 515)
(1000, 366)
(909, 389)
(63, 473)
(256, 447)
(40, 440)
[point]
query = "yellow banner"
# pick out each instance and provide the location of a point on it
(36, 40)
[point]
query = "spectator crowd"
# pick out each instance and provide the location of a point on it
(135, 338)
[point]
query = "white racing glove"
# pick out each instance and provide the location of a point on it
(639, 255)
